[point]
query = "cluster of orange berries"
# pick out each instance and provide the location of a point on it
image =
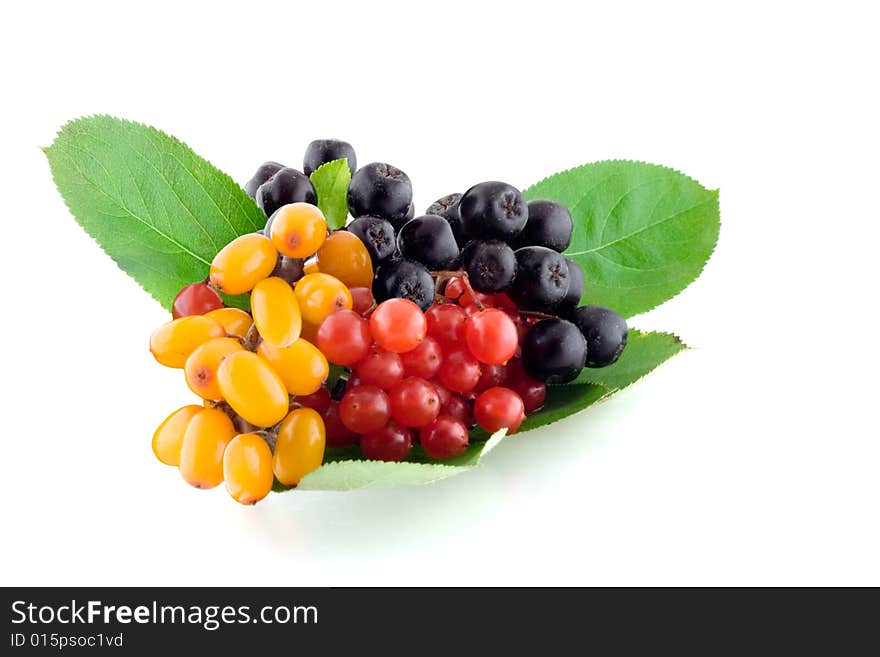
(249, 368)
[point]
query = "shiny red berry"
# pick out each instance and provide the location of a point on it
(444, 438)
(195, 299)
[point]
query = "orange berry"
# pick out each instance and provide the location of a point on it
(301, 366)
(300, 446)
(320, 295)
(247, 468)
(243, 263)
(344, 256)
(172, 343)
(234, 321)
(204, 441)
(311, 267)
(253, 389)
(169, 436)
(276, 311)
(201, 366)
(298, 229)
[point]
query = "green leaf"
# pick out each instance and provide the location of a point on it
(154, 206)
(643, 352)
(355, 474)
(642, 232)
(331, 184)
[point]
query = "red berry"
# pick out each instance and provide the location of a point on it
(458, 408)
(318, 400)
(364, 409)
(414, 402)
(195, 299)
(338, 435)
(446, 324)
(442, 393)
(491, 336)
(383, 369)
(390, 443)
(424, 360)
(491, 376)
(398, 325)
(459, 371)
(344, 337)
(444, 438)
(361, 300)
(532, 392)
(497, 408)
(455, 290)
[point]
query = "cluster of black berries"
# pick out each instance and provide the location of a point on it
(505, 246)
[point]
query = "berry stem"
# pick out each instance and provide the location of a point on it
(443, 276)
(252, 339)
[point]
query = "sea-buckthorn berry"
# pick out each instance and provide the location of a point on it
(444, 438)
(414, 402)
(320, 295)
(173, 342)
(364, 409)
(247, 468)
(234, 321)
(390, 443)
(201, 366)
(491, 336)
(204, 441)
(195, 299)
(299, 448)
(398, 325)
(298, 230)
(253, 389)
(344, 338)
(344, 256)
(301, 365)
(311, 267)
(499, 408)
(276, 311)
(243, 263)
(169, 436)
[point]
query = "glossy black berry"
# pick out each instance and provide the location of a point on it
(554, 351)
(605, 332)
(377, 234)
(290, 269)
(405, 279)
(266, 171)
(322, 151)
(429, 240)
(380, 190)
(493, 211)
(285, 186)
(549, 225)
(542, 278)
(490, 265)
(447, 207)
(409, 214)
(575, 289)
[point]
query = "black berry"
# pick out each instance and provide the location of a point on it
(493, 210)
(554, 351)
(442, 205)
(405, 279)
(322, 151)
(541, 280)
(266, 171)
(429, 240)
(285, 186)
(575, 288)
(409, 214)
(447, 207)
(377, 234)
(549, 225)
(605, 332)
(290, 269)
(490, 265)
(380, 190)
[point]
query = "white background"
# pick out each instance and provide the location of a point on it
(752, 459)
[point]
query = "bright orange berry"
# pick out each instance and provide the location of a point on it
(172, 343)
(247, 468)
(243, 263)
(234, 321)
(253, 389)
(276, 311)
(344, 256)
(298, 230)
(301, 366)
(311, 267)
(201, 366)
(169, 436)
(320, 295)
(300, 446)
(204, 441)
